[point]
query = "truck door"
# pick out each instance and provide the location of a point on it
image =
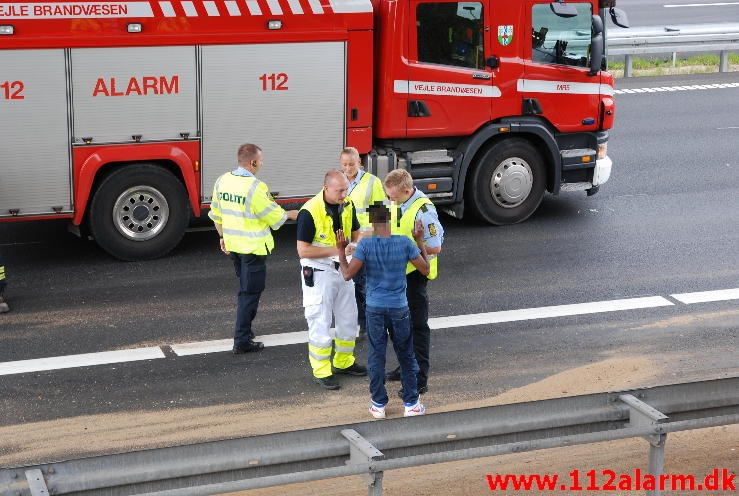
(556, 73)
(450, 88)
(34, 133)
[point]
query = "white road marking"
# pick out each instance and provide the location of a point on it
(725, 128)
(85, 360)
(301, 337)
(549, 312)
(714, 4)
(706, 296)
(677, 88)
(201, 347)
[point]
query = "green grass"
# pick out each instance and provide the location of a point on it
(658, 63)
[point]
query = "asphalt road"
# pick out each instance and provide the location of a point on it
(666, 12)
(667, 222)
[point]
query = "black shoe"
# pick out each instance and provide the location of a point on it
(353, 369)
(421, 390)
(393, 375)
(329, 382)
(249, 347)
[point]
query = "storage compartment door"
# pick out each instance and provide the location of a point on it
(34, 133)
(287, 98)
(122, 92)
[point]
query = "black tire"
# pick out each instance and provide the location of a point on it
(523, 162)
(158, 207)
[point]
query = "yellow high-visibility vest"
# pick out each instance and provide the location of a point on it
(325, 235)
(246, 211)
(365, 193)
(404, 227)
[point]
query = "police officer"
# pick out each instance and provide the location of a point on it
(4, 308)
(408, 205)
(325, 292)
(364, 190)
(243, 212)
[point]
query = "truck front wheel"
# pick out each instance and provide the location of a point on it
(139, 212)
(507, 183)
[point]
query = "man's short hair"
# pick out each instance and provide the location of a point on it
(378, 213)
(247, 153)
(333, 174)
(399, 178)
(351, 151)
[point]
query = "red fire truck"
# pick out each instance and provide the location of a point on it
(120, 115)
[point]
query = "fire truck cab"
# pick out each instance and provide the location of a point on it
(121, 115)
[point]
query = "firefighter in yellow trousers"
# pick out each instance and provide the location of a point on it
(244, 212)
(325, 292)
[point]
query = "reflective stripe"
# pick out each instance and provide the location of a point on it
(320, 358)
(368, 193)
(341, 349)
(245, 214)
(215, 217)
(246, 234)
(267, 210)
(279, 223)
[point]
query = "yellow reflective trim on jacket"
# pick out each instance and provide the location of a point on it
(323, 222)
(365, 193)
(246, 212)
(405, 225)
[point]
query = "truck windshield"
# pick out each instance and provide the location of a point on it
(561, 40)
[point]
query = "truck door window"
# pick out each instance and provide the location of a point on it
(561, 40)
(451, 33)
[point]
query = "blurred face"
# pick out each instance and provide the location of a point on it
(349, 165)
(398, 195)
(335, 191)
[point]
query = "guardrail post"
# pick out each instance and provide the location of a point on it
(656, 460)
(642, 415)
(628, 67)
(36, 483)
(362, 452)
(724, 61)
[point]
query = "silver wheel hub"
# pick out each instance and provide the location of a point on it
(511, 182)
(140, 213)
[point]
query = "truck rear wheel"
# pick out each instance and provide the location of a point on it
(139, 212)
(507, 183)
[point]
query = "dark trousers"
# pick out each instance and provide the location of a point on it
(398, 321)
(418, 303)
(251, 271)
(360, 291)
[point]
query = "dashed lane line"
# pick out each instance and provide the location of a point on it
(660, 89)
(549, 312)
(221, 345)
(85, 360)
(707, 296)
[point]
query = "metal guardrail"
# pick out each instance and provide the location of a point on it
(722, 37)
(370, 448)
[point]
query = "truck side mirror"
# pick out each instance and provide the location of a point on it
(619, 18)
(562, 9)
(597, 46)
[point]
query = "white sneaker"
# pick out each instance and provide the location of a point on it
(413, 410)
(377, 411)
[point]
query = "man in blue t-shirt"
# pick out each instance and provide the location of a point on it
(385, 257)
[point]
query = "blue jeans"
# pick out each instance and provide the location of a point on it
(251, 271)
(398, 321)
